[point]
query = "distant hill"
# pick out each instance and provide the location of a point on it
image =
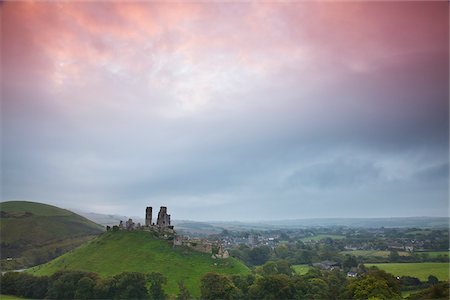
(196, 228)
(139, 251)
(33, 233)
(105, 219)
(398, 222)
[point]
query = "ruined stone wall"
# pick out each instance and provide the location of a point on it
(214, 248)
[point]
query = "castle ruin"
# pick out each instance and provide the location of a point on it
(162, 223)
(148, 216)
(164, 230)
(163, 218)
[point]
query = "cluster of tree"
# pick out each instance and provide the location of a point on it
(435, 291)
(303, 253)
(295, 253)
(276, 280)
(84, 285)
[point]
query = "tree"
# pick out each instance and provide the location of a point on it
(63, 284)
(370, 287)
(433, 279)
(104, 289)
(276, 267)
(409, 281)
(394, 256)
(259, 255)
(24, 285)
(278, 286)
(215, 286)
(130, 285)
(436, 291)
(9, 283)
(183, 293)
(85, 288)
(392, 282)
(243, 283)
(349, 262)
(337, 282)
(156, 282)
(317, 289)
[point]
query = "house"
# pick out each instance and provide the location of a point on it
(352, 274)
(327, 265)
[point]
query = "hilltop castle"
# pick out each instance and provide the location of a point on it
(163, 220)
(166, 231)
(162, 223)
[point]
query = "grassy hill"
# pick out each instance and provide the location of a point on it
(139, 251)
(33, 233)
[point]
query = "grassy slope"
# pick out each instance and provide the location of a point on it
(38, 209)
(47, 223)
(116, 252)
(419, 270)
(48, 228)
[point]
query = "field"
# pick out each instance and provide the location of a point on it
(301, 269)
(419, 270)
(405, 294)
(435, 254)
(321, 237)
(8, 297)
(369, 253)
(116, 252)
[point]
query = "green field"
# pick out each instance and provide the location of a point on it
(419, 270)
(321, 237)
(9, 297)
(422, 232)
(34, 232)
(434, 254)
(301, 269)
(405, 294)
(374, 253)
(116, 252)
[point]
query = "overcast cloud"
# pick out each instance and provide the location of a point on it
(227, 111)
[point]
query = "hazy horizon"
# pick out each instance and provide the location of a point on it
(227, 111)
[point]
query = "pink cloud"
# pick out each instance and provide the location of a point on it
(169, 45)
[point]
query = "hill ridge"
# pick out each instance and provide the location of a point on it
(33, 232)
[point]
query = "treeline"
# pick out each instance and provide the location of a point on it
(295, 253)
(274, 280)
(86, 285)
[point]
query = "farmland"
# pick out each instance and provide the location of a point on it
(419, 270)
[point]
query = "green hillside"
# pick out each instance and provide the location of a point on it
(139, 251)
(33, 233)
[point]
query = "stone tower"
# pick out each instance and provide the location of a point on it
(163, 218)
(148, 216)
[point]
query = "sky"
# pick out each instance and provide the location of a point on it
(227, 110)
